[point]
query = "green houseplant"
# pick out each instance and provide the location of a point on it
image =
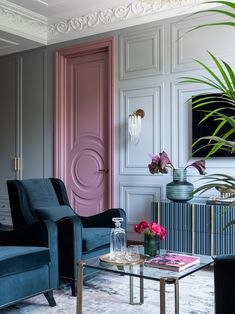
(222, 80)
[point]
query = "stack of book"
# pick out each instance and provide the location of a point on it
(172, 261)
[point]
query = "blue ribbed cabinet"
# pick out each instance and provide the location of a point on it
(195, 227)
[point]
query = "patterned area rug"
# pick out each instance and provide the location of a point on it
(109, 294)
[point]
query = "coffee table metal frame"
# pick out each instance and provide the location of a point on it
(163, 276)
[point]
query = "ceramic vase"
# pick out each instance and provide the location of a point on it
(180, 190)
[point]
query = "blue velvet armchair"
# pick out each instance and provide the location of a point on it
(28, 262)
(78, 237)
(224, 275)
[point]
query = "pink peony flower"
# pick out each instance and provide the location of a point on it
(151, 229)
(141, 226)
(163, 233)
(155, 228)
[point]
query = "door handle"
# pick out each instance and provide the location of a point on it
(104, 170)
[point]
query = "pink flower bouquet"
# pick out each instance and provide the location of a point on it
(151, 229)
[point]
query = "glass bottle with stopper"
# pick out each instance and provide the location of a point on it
(118, 241)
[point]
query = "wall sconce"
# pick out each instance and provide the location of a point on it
(134, 125)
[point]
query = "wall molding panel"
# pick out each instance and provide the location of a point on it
(136, 199)
(188, 45)
(141, 53)
(134, 158)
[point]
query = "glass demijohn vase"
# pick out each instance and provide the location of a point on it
(180, 190)
(118, 241)
(151, 245)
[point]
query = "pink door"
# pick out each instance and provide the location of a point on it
(86, 168)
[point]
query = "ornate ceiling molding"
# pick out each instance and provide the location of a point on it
(22, 22)
(19, 21)
(137, 9)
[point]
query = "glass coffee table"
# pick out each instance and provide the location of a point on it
(138, 270)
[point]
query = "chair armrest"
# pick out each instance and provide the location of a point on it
(41, 233)
(104, 219)
(224, 273)
(70, 244)
(36, 234)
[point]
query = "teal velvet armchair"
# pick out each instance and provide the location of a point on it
(78, 237)
(28, 262)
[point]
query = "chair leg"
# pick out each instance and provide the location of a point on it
(50, 298)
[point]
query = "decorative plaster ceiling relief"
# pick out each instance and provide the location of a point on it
(114, 16)
(22, 22)
(28, 24)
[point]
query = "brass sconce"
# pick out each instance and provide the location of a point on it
(134, 125)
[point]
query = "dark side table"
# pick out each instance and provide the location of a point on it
(196, 227)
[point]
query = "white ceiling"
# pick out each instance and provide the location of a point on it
(26, 24)
(64, 8)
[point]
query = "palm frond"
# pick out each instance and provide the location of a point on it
(226, 3)
(215, 181)
(222, 71)
(222, 12)
(221, 84)
(230, 72)
(225, 86)
(186, 79)
(214, 24)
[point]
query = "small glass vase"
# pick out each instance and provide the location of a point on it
(151, 245)
(180, 190)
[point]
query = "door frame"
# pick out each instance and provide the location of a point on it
(62, 57)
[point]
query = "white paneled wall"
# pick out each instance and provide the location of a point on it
(141, 53)
(132, 160)
(151, 60)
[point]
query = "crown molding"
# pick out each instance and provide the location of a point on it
(115, 18)
(22, 22)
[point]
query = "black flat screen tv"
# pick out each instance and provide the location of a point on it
(207, 127)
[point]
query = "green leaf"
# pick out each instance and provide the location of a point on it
(224, 75)
(198, 81)
(231, 73)
(211, 73)
(214, 24)
(227, 13)
(227, 3)
(226, 143)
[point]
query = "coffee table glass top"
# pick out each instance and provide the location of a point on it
(148, 272)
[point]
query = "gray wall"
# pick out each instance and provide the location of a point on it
(23, 121)
(150, 59)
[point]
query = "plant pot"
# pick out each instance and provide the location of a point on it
(151, 245)
(180, 190)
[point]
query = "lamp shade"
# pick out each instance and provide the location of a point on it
(134, 127)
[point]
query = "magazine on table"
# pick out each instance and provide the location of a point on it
(172, 261)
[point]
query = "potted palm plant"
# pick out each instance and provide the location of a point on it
(222, 80)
